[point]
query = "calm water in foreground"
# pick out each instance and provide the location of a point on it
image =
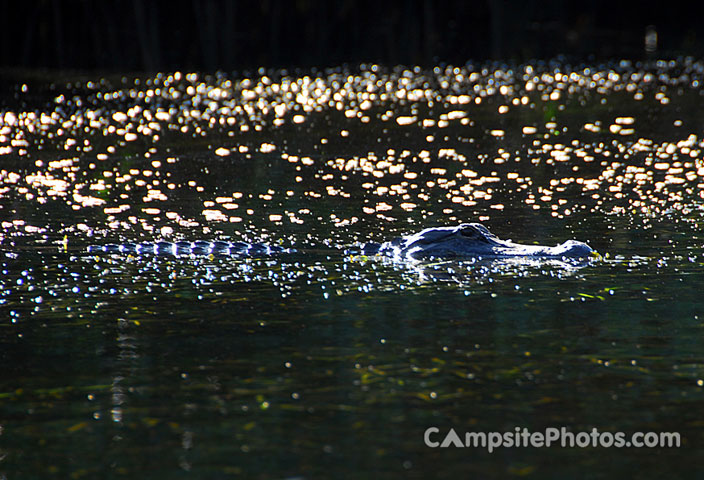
(321, 363)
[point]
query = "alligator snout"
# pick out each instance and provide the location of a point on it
(575, 249)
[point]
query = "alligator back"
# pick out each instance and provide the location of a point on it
(199, 247)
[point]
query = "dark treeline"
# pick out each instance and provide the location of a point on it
(228, 35)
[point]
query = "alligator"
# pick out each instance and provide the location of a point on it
(467, 240)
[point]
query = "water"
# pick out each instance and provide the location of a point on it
(321, 362)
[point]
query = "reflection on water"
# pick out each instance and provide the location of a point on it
(321, 361)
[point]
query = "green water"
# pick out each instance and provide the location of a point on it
(320, 363)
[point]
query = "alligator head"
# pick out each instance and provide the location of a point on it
(475, 240)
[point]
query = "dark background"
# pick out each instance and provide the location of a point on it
(137, 35)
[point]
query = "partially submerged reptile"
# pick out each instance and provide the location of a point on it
(466, 240)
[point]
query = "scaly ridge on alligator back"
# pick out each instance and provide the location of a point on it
(198, 247)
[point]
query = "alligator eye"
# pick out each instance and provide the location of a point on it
(469, 232)
(474, 234)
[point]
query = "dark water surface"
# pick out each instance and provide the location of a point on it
(321, 363)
